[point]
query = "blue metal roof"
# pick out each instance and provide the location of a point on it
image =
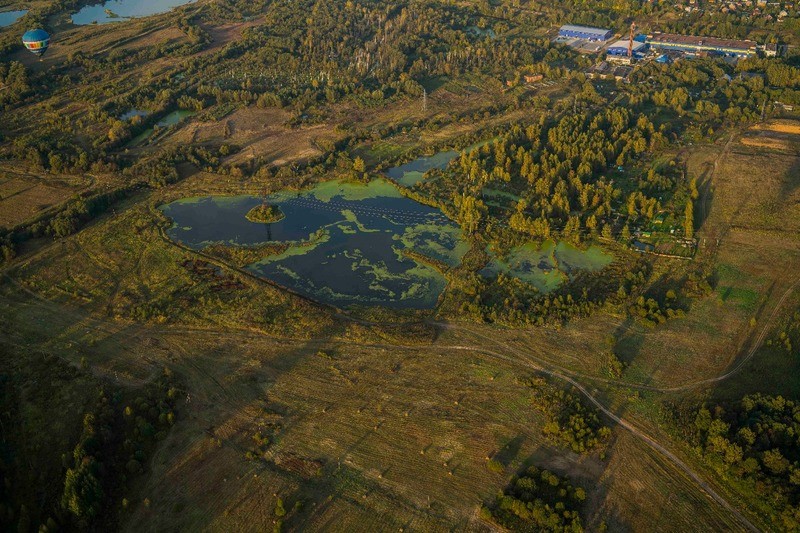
(584, 29)
(621, 47)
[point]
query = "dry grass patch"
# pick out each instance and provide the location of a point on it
(260, 133)
(758, 190)
(767, 142)
(780, 126)
(638, 492)
(782, 135)
(21, 200)
(23, 195)
(225, 33)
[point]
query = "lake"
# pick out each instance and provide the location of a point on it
(347, 242)
(544, 266)
(7, 18)
(122, 10)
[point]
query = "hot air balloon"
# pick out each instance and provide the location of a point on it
(36, 41)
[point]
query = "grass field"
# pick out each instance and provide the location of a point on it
(24, 195)
(394, 450)
(779, 126)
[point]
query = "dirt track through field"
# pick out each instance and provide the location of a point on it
(534, 363)
(644, 437)
(515, 358)
(487, 346)
(675, 460)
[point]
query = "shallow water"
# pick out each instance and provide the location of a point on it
(122, 10)
(413, 172)
(347, 242)
(571, 258)
(7, 18)
(133, 113)
(174, 117)
(170, 120)
(548, 265)
(479, 32)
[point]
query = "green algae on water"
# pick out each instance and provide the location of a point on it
(345, 243)
(548, 265)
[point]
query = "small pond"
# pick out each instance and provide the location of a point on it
(549, 265)
(347, 242)
(122, 10)
(413, 172)
(7, 18)
(481, 32)
(170, 120)
(174, 117)
(133, 113)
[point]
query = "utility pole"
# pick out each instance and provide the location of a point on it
(630, 41)
(424, 99)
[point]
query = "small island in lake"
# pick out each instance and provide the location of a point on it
(265, 213)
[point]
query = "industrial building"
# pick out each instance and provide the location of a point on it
(693, 45)
(569, 31)
(620, 48)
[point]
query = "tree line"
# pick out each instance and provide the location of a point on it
(754, 442)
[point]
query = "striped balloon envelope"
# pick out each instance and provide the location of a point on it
(36, 41)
